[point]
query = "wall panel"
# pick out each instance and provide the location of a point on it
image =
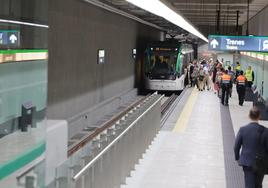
(77, 30)
(258, 23)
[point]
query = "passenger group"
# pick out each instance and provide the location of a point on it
(212, 76)
(251, 143)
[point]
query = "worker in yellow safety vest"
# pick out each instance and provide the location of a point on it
(226, 82)
(237, 69)
(241, 87)
(249, 74)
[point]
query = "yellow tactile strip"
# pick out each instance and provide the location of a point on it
(184, 117)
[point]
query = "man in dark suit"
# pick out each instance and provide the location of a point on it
(248, 138)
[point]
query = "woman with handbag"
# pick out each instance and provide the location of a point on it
(247, 140)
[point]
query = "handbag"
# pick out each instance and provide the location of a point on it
(261, 158)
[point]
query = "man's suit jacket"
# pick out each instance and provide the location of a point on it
(248, 139)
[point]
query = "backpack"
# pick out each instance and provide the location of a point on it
(261, 158)
(201, 77)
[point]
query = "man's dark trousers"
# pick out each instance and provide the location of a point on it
(249, 84)
(252, 180)
(225, 93)
(241, 93)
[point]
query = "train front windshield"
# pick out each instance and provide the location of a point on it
(162, 65)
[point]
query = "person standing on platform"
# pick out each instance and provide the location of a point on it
(194, 76)
(201, 79)
(226, 82)
(247, 139)
(213, 77)
(186, 76)
(219, 74)
(237, 69)
(249, 74)
(232, 74)
(191, 69)
(207, 78)
(241, 87)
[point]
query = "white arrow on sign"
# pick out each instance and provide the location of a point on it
(13, 38)
(214, 43)
(265, 45)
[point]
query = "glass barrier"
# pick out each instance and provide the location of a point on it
(23, 93)
(259, 64)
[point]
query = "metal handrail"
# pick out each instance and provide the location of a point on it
(83, 170)
(29, 169)
(104, 126)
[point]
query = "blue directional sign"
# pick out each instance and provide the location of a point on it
(9, 38)
(238, 43)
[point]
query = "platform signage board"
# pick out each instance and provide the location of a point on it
(101, 56)
(238, 43)
(9, 38)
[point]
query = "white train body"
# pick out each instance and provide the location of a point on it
(163, 67)
(165, 85)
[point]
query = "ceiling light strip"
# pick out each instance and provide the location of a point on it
(24, 23)
(122, 13)
(160, 9)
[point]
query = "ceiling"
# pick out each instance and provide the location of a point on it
(201, 13)
(204, 12)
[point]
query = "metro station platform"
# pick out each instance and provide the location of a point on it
(194, 148)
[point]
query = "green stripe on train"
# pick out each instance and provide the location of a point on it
(22, 160)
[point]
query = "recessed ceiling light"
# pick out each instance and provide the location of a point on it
(160, 9)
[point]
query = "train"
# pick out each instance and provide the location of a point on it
(163, 67)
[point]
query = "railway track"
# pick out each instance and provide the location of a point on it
(166, 105)
(90, 133)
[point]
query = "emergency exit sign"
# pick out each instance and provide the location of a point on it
(238, 43)
(9, 38)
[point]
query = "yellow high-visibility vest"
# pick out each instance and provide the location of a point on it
(248, 75)
(238, 68)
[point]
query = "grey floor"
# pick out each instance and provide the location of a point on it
(14, 145)
(198, 156)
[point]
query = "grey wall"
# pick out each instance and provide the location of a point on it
(77, 29)
(258, 24)
(29, 11)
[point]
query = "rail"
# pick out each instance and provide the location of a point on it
(104, 126)
(168, 109)
(168, 103)
(81, 172)
(108, 159)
